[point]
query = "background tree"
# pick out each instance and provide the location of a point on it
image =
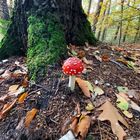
(97, 14)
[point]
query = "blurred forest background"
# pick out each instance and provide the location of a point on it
(112, 21)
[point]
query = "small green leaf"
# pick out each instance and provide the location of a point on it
(122, 89)
(122, 103)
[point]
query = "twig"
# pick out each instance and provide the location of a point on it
(53, 121)
(58, 84)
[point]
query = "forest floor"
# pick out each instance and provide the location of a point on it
(48, 109)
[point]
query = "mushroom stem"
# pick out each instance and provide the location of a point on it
(72, 82)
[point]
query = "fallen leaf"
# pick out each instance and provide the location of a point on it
(111, 114)
(7, 107)
(30, 116)
(81, 54)
(123, 61)
(89, 107)
(13, 88)
(122, 89)
(98, 91)
(105, 58)
(25, 82)
(122, 103)
(74, 124)
(22, 97)
(83, 127)
(128, 114)
(131, 64)
(17, 92)
(85, 86)
(88, 62)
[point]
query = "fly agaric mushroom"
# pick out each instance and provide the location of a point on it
(72, 67)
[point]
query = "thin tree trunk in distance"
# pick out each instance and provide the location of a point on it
(125, 33)
(105, 29)
(89, 7)
(4, 13)
(121, 23)
(138, 31)
(102, 19)
(97, 14)
(117, 31)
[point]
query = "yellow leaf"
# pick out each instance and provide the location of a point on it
(89, 107)
(22, 97)
(30, 116)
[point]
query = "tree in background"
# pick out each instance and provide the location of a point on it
(97, 14)
(116, 22)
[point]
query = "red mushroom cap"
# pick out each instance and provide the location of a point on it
(73, 66)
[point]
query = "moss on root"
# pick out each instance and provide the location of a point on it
(46, 43)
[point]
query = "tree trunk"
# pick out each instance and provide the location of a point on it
(102, 19)
(121, 23)
(89, 7)
(42, 28)
(4, 14)
(107, 13)
(97, 14)
(138, 31)
(116, 33)
(125, 33)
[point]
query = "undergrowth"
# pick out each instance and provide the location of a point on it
(46, 43)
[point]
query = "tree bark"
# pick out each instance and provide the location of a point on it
(75, 25)
(4, 13)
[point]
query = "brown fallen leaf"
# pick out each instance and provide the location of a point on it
(7, 107)
(74, 124)
(22, 97)
(30, 116)
(111, 114)
(105, 58)
(83, 127)
(25, 82)
(84, 86)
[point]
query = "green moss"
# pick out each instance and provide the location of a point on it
(46, 43)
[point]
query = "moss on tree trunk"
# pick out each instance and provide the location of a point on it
(46, 43)
(41, 29)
